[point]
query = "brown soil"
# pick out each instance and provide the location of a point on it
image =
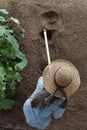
(68, 19)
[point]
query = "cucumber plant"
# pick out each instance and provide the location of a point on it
(12, 60)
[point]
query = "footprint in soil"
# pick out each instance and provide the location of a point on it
(49, 20)
(53, 24)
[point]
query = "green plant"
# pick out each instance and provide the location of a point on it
(12, 60)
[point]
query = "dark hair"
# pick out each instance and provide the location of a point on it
(43, 98)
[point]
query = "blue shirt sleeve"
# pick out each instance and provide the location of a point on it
(59, 111)
(39, 87)
(58, 114)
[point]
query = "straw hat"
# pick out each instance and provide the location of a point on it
(66, 75)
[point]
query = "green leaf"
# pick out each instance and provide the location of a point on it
(2, 85)
(4, 11)
(2, 72)
(10, 69)
(22, 31)
(5, 52)
(6, 104)
(2, 94)
(19, 66)
(10, 73)
(3, 31)
(2, 19)
(15, 20)
(18, 77)
(13, 42)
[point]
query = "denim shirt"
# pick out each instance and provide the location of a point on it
(37, 118)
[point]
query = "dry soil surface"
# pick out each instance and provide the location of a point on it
(67, 22)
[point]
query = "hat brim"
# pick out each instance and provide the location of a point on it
(48, 77)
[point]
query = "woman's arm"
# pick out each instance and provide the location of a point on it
(39, 87)
(58, 114)
(60, 111)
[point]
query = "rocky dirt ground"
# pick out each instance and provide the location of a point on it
(68, 19)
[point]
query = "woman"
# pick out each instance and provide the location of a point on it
(60, 79)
